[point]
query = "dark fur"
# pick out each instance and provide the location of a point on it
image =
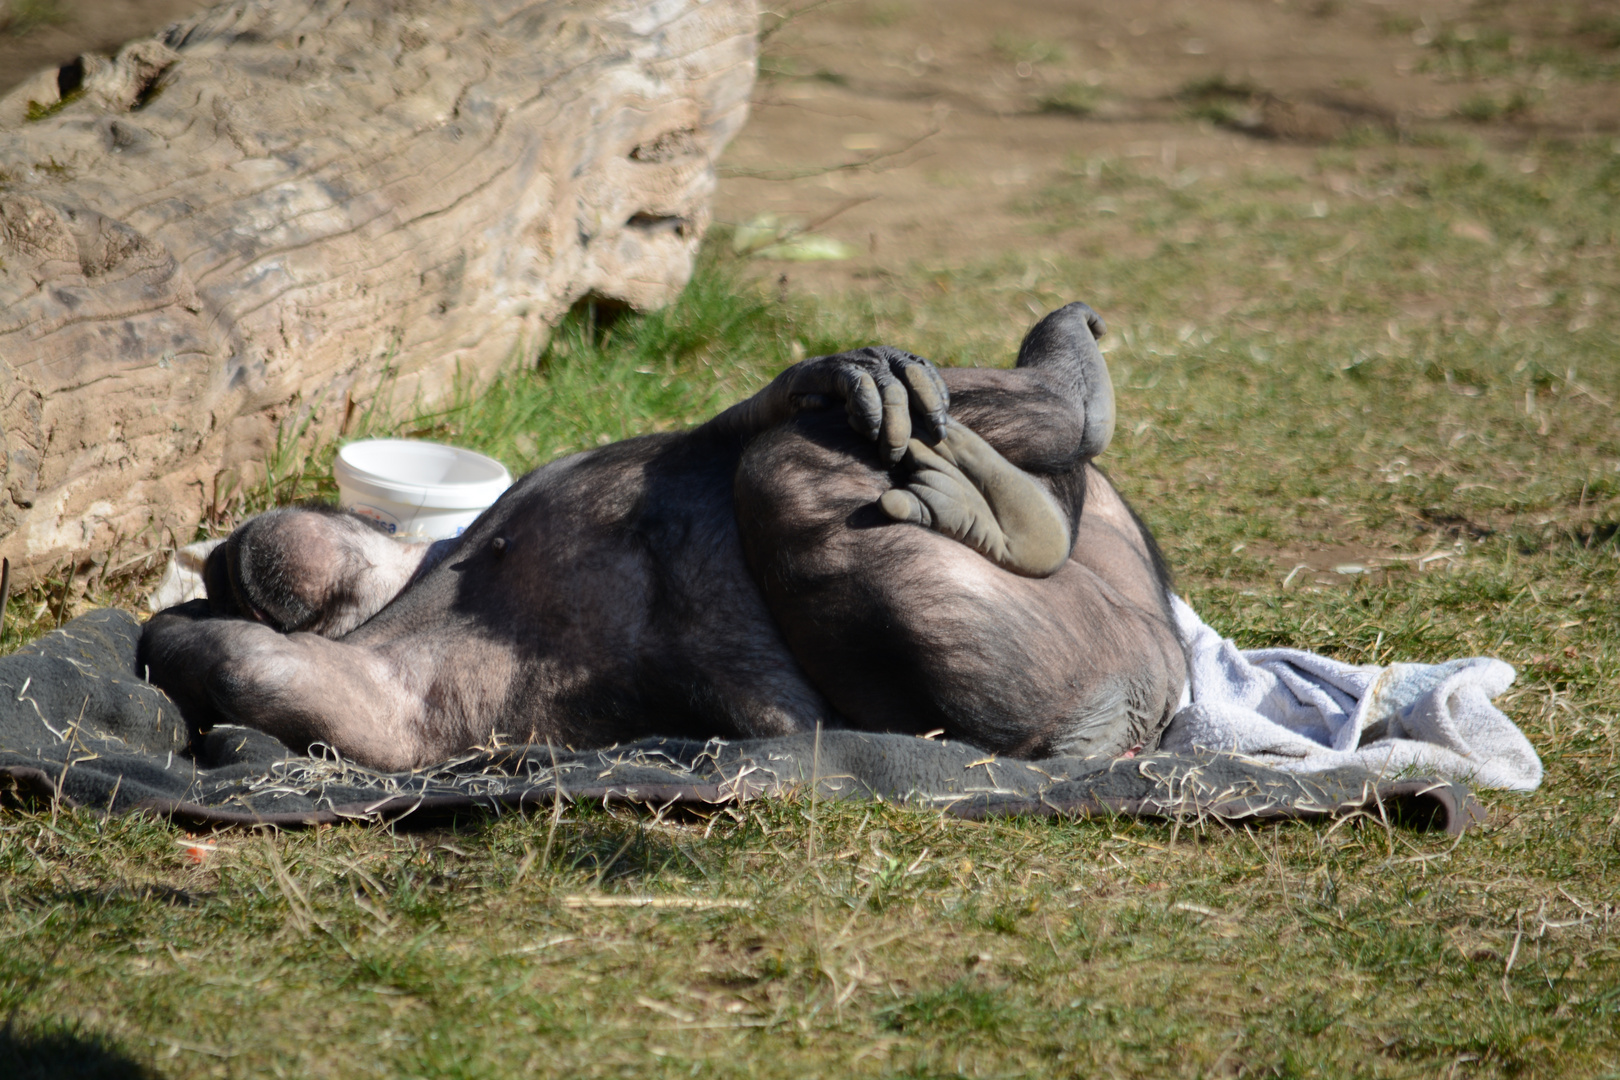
(736, 580)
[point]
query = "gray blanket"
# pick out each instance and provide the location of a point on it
(78, 724)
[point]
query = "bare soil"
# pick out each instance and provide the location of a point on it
(921, 124)
(908, 129)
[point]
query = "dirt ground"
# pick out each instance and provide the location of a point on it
(935, 117)
(907, 129)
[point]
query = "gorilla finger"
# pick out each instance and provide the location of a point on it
(923, 456)
(896, 432)
(862, 402)
(930, 393)
(902, 505)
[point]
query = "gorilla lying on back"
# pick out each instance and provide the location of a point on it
(947, 557)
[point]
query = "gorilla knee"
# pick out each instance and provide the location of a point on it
(1065, 345)
(293, 568)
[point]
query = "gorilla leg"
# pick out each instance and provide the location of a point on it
(905, 629)
(301, 688)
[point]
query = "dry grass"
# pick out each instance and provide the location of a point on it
(912, 945)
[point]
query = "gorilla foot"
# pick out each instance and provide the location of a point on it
(963, 488)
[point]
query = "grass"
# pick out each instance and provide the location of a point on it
(1508, 38)
(1222, 101)
(1002, 949)
(38, 111)
(1400, 356)
(1483, 108)
(1071, 98)
(603, 376)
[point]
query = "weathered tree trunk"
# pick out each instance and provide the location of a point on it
(280, 205)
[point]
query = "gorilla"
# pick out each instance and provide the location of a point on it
(869, 542)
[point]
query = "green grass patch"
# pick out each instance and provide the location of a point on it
(1483, 107)
(1515, 38)
(1072, 98)
(1012, 948)
(38, 111)
(1221, 100)
(884, 13)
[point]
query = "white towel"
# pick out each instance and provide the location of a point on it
(183, 577)
(1305, 713)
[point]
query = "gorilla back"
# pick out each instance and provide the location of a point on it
(867, 542)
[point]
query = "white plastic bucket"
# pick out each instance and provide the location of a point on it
(415, 489)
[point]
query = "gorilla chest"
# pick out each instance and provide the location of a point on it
(613, 567)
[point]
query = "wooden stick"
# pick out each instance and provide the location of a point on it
(689, 903)
(5, 591)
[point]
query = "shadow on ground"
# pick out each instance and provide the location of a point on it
(62, 1053)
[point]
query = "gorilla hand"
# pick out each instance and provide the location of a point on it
(963, 488)
(880, 388)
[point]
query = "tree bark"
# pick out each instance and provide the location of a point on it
(278, 207)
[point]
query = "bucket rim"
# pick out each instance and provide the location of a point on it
(416, 495)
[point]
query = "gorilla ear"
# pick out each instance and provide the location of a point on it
(1064, 345)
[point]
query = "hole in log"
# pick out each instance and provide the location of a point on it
(670, 145)
(597, 313)
(70, 76)
(657, 223)
(150, 91)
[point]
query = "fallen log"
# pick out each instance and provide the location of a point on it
(272, 209)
